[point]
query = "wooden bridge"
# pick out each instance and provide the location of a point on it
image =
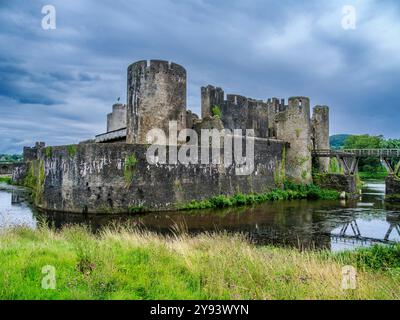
(349, 158)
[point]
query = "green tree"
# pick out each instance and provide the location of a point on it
(391, 144)
(365, 141)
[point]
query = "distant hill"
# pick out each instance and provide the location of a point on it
(337, 140)
(10, 158)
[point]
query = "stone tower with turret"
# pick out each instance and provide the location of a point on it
(293, 126)
(156, 95)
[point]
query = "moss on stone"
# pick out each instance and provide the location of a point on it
(35, 179)
(48, 151)
(129, 168)
(72, 149)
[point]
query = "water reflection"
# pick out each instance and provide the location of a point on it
(333, 225)
(14, 210)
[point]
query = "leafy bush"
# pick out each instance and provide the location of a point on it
(291, 192)
(216, 111)
(6, 180)
(377, 257)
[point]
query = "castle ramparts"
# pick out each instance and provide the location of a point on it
(102, 177)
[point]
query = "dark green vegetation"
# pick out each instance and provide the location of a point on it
(10, 158)
(137, 209)
(124, 263)
(48, 151)
(34, 180)
(72, 149)
(372, 175)
(6, 179)
(337, 141)
(291, 191)
(129, 168)
(377, 258)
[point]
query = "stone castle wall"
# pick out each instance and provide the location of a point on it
(100, 178)
(239, 112)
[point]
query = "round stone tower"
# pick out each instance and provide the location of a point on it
(156, 95)
(117, 118)
(293, 126)
(320, 134)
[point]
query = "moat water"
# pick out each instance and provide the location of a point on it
(333, 225)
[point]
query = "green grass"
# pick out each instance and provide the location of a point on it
(290, 192)
(127, 264)
(72, 150)
(129, 168)
(137, 209)
(6, 179)
(372, 175)
(48, 151)
(374, 258)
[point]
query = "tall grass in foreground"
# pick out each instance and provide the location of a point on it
(123, 263)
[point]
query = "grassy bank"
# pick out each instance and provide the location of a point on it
(5, 179)
(372, 175)
(127, 264)
(289, 192)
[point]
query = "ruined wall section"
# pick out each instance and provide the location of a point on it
(237, 112)
(293, 126)
(156, 95)
(320, 135)
(191, 119)
(275, 106)
(117, 119)
(211, 96)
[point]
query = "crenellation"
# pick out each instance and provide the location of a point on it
(156, 96)
(284, 138)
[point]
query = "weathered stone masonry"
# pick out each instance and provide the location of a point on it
(96, 178)
(112, 175)
(156, 95)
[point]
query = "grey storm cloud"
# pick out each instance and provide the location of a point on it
(58, 85)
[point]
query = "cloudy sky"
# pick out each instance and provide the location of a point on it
(58, 85)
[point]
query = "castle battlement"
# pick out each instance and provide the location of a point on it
(158, 66)
(156, 95)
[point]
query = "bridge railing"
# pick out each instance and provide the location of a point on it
(374, 152)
